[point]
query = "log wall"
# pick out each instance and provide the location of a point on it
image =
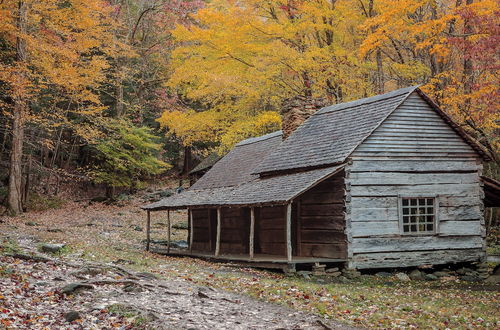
(413, 153)
(201, 230)
(320, 226)
(270, 230)
(235, 226)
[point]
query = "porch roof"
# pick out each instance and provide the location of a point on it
(259, 191)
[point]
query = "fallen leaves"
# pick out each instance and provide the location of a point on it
(367, 302)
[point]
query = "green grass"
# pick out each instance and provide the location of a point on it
(9, 246)
(37, 202)
(137, 318)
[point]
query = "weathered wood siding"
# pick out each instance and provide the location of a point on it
(201, 229)
(235, 226)
(321, 227)
(270, 230)
(413, 153)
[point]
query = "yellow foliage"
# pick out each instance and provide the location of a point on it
(67, 46)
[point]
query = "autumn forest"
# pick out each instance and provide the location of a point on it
(116, 92)
(249, 164)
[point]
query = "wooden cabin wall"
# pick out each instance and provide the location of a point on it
(270, 230)
(413, 153)
(235, 227)
(321, 222)
(201, 230)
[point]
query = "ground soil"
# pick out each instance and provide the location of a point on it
(105, 249)
(98, 238)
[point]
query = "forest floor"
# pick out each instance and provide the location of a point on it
(123, 286)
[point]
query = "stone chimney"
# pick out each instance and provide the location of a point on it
(296, 110)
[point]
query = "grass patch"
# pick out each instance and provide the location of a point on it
(136, 317)
(37, 202)
(9, 246)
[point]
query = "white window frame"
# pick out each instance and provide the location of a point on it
(435, 227)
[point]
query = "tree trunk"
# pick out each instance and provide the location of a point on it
(119, 105)
(468, 78)
(14, 198)
(380, 72)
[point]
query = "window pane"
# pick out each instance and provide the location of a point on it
(418, 215)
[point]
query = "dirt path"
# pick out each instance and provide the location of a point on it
(40, 294)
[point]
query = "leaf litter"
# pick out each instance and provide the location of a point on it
(106, 250)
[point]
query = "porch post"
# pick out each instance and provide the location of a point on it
(148, 230)
(289, 231)
(191, 230)
(169, 229)
(252, 230)
(217, 240)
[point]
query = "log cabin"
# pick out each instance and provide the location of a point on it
(384, 181)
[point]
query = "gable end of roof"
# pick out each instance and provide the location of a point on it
(459, 130)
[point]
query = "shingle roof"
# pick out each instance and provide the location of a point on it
(313, 152)
(206, 163)
(259, 191)
(237, 166)
(332, 133)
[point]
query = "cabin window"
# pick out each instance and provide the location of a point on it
(418, 215)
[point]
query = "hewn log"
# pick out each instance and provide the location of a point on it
(289, 232)
(415, 258)
(191, 231)
(217, 241)
(412, 243)
(252, 233)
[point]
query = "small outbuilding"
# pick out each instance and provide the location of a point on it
(385, 181)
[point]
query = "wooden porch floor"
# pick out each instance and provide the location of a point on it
(258, 261)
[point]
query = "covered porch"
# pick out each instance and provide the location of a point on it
(307, 227)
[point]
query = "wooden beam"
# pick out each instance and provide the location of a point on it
(169, 230)
(191, 230)
(217, 241)
(288, 227)
(148, 230)
(298, 231)
(252, 232)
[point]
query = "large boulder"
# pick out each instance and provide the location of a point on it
(416, 275)
(51, 248)
(441, 274)
(430, 277)
(470, 278)
(493, 279)
(71, 316)
(402, 277)
(75, 287)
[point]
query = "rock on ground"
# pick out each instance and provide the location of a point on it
(64, 300)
